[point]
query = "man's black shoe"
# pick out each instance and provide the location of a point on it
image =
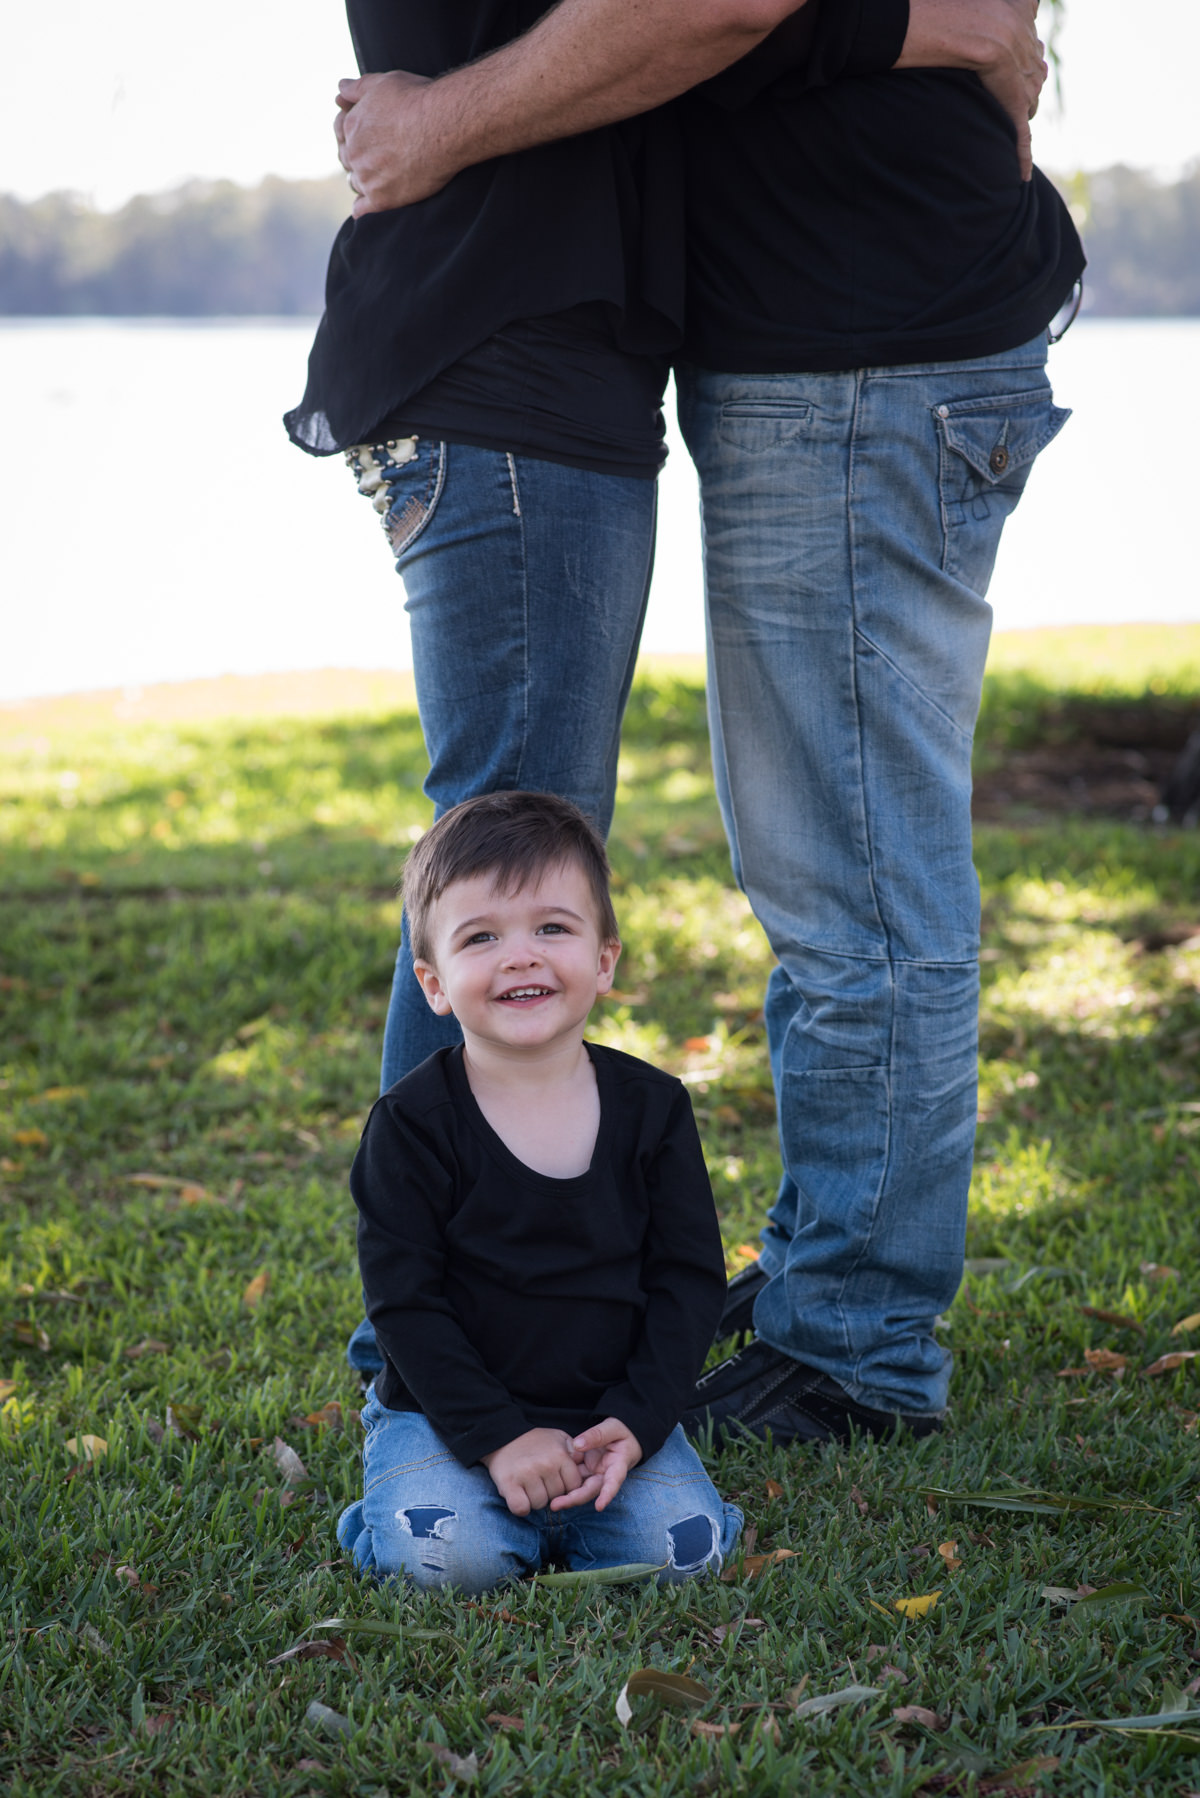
(737, 1319)
(760, 1389)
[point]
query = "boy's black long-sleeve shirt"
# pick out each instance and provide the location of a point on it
(505, 1300)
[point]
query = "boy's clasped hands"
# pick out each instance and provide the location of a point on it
(548, 1467)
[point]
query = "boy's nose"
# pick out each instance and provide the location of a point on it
(522, 954)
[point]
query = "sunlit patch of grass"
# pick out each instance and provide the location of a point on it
(1089, 983)
(1022, 1178)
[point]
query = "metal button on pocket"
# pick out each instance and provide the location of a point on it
(999, 459)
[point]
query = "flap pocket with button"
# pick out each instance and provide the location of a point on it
(1000, 435)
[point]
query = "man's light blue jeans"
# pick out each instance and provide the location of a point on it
(851, 522)
(426, 1518)
(526, 585)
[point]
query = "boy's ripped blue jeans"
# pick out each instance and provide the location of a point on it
(426, 1517)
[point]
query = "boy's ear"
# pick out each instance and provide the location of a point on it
(431, 986)
(609, 956)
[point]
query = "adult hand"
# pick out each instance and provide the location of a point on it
(533, 1469)
(998, 40)
(606, 1453)
(385, 141)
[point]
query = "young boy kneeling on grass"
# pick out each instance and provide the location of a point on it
(537, 1239)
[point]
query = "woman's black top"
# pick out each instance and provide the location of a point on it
(582, 240)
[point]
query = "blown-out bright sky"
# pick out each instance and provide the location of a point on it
(136, 96)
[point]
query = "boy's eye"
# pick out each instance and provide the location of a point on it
(552, 930)
(480, 936)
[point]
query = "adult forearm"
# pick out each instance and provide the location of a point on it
(589, 62)
(585, 64)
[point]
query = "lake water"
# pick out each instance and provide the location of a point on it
(159, 526)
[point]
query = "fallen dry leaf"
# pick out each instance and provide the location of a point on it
(1168, 1363)
(754, 1565)
(92, 1448)
(95, 1640)
(192, 1194)
(859, 1502)
(30, 1139)
(501, 1720)
(329, 1417)
(321, 1716)
(1117, 1318)
(31, 1335)
(832, 1701)
(252, 1298)
(713, 1731)
(184, 1420)
(668, 1688)
(464, 1768)
(128, 1575)
(950, 1555)
(1104, 1360)
(7, 1388)
(158, 1723)
(54, 1095)
(1155, 1270)
(288, 1462)
(917, 1713)
(149, 1345)
(919, 1605)
(773, 1489)
(1186, 1325)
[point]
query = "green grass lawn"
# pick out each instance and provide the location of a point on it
(197, 925)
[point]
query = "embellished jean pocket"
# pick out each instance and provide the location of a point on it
(403, 479)
(986, 448)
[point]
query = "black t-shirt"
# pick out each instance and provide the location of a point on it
(558, 387)
(505, 1300)
(875, 220)
(409, 292)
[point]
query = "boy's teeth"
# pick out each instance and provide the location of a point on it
(527, 992)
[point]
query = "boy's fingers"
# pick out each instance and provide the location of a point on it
(601, 1434)
(516, 1499)
(581, 1496)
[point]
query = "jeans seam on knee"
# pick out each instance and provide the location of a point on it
(933, 705)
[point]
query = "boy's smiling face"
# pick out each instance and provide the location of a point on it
(518, 970)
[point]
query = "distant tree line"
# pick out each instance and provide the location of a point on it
(1143, 242)
(213, 248)
(207, 248)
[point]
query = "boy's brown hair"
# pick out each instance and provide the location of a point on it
(514, 837)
